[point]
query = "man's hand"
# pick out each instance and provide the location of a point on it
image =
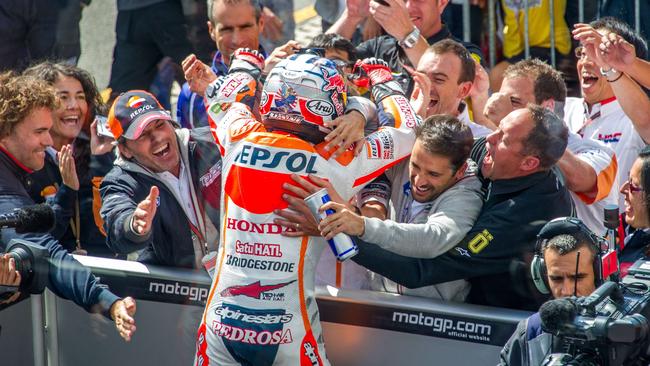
(394, 18)
(122, 312)
(421, 95)
(272, 25)
(145, 212)
(349, 129)
(298, 216)
(343, 220)
(357, 9)
(617, 52)
(279, 54)
(590, 40)
(481, 83)
(99, 145)
(375, 70)
(197, 74)
(497, 107)
(9, 276)
(67, 167)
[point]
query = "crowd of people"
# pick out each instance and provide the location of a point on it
(456, 181)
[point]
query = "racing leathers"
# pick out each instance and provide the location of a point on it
(261, 308)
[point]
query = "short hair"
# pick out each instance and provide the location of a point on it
(51, 72)
(547, 82)
(644, 155)
(567, 243)
(19, 96)
(548, 138)
(445, 135)
(467, 64)
(254, 3)
(333, 40)
(624, 30)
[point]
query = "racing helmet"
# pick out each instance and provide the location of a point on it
(300, 94)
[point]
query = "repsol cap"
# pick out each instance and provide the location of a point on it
(132, 112)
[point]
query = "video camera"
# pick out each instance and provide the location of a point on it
(607, 328)
(30, 259)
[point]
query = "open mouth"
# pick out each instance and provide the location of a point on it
(70, 120)
(588, 80)
(162, 151)
(433, 103)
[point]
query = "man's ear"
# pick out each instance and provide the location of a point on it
(549, 104)
(212, 31)
(464, 89)
(442, 4)
(460, 173)
(260, 25)
(530, 164)
(124, 150)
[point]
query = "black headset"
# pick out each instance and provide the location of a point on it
(559, 226)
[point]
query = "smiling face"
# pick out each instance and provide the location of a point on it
(28, 140)
(425, 14)
(636, 211)
(72, 113)
(156, 148)
(430, 174)
(594, 86)
(444, 72)
(505, 157)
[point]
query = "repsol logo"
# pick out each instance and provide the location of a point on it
(194, 293)
(320, 107)
(259, 157)
(140, 110)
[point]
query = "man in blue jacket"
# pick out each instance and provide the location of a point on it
(162, 197)
(26, 106)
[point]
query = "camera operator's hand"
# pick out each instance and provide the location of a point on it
(145, 212)
(122, 312)
(67, 167)
(9, 276)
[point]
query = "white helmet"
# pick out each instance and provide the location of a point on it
(301, 93)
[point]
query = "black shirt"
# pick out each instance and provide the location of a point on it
(493, 254)
(387, 48)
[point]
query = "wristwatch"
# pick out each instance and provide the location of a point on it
(411, 39)
(608, 73)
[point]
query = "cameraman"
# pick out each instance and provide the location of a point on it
(566, 275)
(26, 106)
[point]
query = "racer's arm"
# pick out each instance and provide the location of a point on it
(589, 168)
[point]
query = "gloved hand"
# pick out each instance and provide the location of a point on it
(375, 73)
(247, 60)
(241, 82)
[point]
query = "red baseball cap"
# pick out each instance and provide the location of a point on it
(132, 112)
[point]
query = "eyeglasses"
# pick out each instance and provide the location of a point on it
(633, 187)
(580, 52)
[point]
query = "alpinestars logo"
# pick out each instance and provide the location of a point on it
(256, 291)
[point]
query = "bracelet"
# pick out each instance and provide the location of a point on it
(620, 75)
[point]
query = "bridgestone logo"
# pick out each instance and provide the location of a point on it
(454, 328)
(265, 265)
(250, 336)
(194, 293)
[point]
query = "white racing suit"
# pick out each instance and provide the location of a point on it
(261, 309)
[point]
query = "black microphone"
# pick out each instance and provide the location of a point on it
(30, 219)
(557, 313)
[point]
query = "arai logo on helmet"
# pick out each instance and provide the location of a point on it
(320, 107)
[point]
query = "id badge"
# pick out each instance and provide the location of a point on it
(209, 261)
